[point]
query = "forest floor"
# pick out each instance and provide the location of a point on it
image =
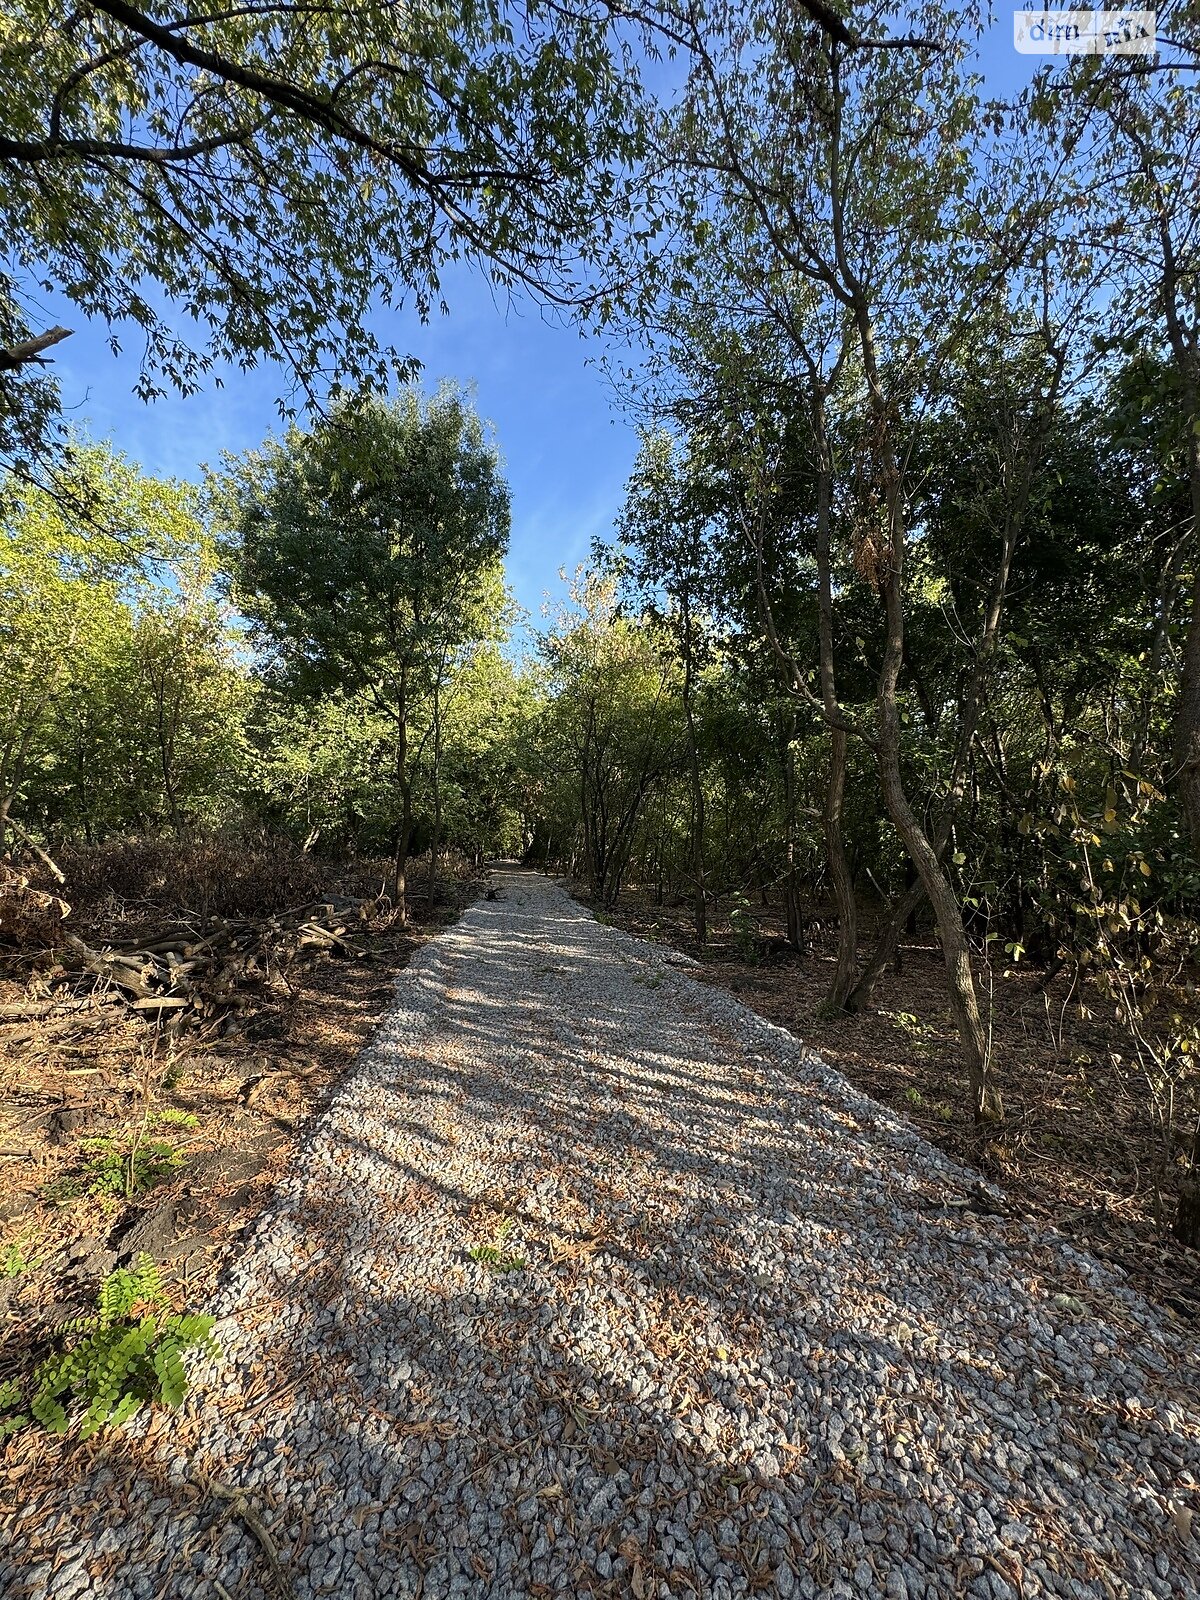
(216, 1119)
(591, 1282)
(1079, 1147)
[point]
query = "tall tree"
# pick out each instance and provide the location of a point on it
(613, 722)
(68, 594)
(358, 549)
(664, 526)
(857, 249)
(1151, 204)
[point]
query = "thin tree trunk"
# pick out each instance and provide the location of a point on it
(700, 909)
(846, 963)
(791, 887)
(964, 1006)
(435, 841)
(404, 828)
(862, 994)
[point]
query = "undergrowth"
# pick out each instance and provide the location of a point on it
(115, 1170)
(127, 1354)
(494, 1256)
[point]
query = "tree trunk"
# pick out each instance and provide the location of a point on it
(794, 920)
(404, 827)
(700, 909)
(846, 965)
(862, 994)
(964, 1006)
(436, 840)
(1187, 1215)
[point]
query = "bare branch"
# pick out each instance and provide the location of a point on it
(30, 350)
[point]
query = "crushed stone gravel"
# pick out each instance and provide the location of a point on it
(590, 1281)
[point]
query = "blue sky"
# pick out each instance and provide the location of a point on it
(567, 449)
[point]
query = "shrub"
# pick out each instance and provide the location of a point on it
(216, 876)
(745, 928)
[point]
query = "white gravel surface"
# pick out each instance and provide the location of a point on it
(736, 1338)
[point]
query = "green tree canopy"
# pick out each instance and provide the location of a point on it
(359, 550)
(243, 182)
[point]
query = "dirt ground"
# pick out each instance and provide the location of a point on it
(213, 1121)
(1078, 1148)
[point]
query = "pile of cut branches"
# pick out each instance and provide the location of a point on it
(201, 975)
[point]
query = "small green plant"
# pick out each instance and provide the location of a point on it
(172, 1117)
(745, 928)
(914, 1097)
(918, 1033)
(15, 1261)
(943, 1112)
(116, 1171)
(494, 1255)
(127, 1354)
(12, 1416)
(648, 980)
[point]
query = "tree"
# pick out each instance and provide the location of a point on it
(358, 550)
(247, 182)
(663, 525)
(856, 251)
(192, 702)
(1152, 153)
(613, 720)
(69, 597)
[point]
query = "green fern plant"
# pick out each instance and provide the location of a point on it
(12, 1413)
(494, 1256)
(14, 1261)
(129, 1352)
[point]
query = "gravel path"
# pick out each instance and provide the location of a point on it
(734, 1335)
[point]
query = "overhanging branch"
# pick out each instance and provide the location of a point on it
(30, 350)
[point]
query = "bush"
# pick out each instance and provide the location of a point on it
(119, 1171)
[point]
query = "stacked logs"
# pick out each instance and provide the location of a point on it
(201, 977)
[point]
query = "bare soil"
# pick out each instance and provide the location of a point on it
(1078, 1148)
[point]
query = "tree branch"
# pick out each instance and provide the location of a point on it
(20, 355)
